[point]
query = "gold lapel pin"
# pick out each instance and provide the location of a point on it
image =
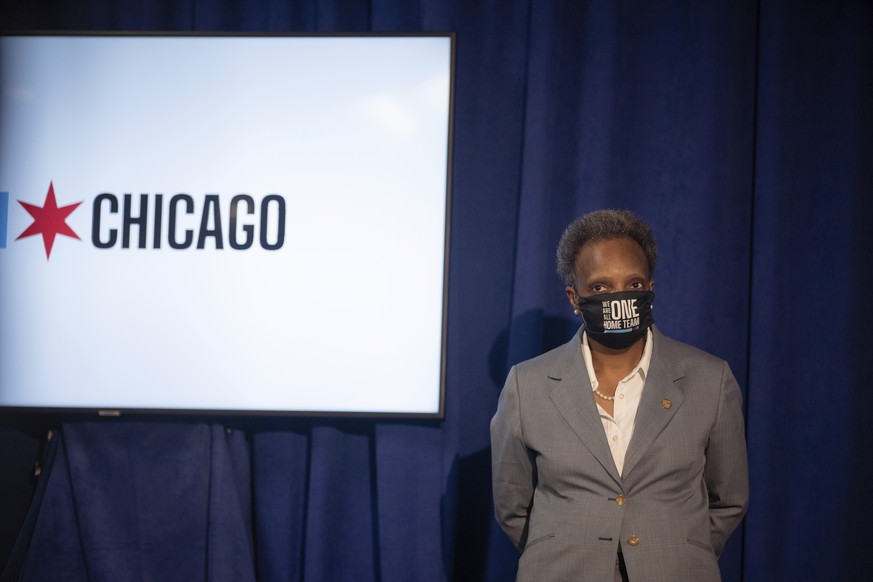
(666, 404)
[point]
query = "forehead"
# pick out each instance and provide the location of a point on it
(611, 257)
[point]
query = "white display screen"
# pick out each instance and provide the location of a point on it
(224, 223)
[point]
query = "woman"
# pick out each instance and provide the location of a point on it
(622, 453)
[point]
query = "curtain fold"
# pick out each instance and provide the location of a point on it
(410, 495)
(280, 481)
(809, 410)
(229, 541)
(52, 545)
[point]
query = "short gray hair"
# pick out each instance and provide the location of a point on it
(603, 225)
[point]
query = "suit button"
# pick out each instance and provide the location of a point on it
(619, 500)
(634, 540)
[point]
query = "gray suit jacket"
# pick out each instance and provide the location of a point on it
(559, 497)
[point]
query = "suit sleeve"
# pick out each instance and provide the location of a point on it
(727, 472)
(513, 471)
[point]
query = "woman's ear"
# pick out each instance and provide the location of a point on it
(574, 301)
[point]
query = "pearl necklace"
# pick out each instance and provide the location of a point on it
(604, 396)
(610, 398)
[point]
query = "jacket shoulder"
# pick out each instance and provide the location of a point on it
(554, 363)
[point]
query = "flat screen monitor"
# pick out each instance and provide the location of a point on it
(224, 223)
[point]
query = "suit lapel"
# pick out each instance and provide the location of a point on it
(575, 402)
(660, 401)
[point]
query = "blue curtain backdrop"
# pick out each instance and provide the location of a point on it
(741, 130)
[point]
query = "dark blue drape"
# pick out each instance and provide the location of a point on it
(741, 130)
(810, 349)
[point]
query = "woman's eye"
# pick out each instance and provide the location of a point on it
(637, 285)
(598, 288)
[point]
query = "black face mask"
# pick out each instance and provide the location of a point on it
(617, 320)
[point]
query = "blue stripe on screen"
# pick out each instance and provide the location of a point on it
(4, 211)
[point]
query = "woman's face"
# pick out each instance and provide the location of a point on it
(610, 266)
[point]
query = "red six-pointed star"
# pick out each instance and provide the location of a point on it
(49, 220)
